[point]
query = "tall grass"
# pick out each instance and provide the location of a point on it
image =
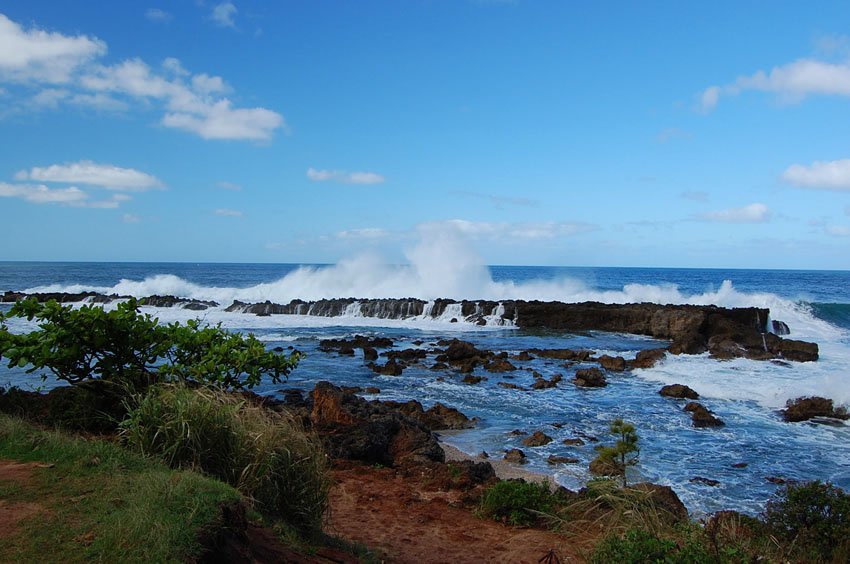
(268, 456)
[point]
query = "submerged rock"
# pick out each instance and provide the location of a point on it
(561, 459)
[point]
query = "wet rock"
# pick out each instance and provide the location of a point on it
(779, 327)
(458, 350)
(702, 417)
(351, 389)
(357, 342)
(372, 390)
(563, 354)
(805, 408)
(706, 481)
(346, 351)
(510, 386)
(391, 368)
(573, 442)
(353, 428)
(523, 356)
(370, 354)
(439, 417)
(665, 499)
(590, 378)
(499, 365)
(517, 433)
(440, 366)
(561, 459)
(470, 379)
(647, 358)
(536, 439)
(740, 465)
(541, 383)
(679, 391)
(612, 363)
(406, 355)
(516, 456)
(798, 351)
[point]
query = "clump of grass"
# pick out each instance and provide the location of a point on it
(517, 502)
(268, 456)
(104, 504)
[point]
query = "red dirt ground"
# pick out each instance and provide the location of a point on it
(408, 522)
(12, 513)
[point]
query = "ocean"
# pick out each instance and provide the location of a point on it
(745, 394)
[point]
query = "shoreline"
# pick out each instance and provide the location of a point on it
(504, 470)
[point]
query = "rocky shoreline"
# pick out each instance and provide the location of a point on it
(723, 332)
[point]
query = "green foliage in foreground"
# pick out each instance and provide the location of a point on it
(102, 503)
(814, 518)
(516, 502)
(124, 345)
(266, 455)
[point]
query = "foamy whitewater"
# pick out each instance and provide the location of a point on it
(745, 394)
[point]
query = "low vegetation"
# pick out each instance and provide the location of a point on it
(517, 502)
(266, 455)
(98, 502)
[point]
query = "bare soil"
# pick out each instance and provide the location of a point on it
(12, 513)
(408, 520)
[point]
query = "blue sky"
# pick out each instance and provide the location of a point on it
(541, 132)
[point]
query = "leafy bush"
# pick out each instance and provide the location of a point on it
(814, 518)
(516, 502)
(635, 547)
(77, 344)
(266, 455)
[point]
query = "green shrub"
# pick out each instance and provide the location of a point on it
(635, 547)
(126, 346)
(614, 460)
(516, 502)
(814, 519)
(266, 455)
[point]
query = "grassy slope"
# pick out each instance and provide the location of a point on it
(102, 502)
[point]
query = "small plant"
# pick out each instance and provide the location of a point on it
(814, 518)
(516, 502)
(614, 460)
(635, 547)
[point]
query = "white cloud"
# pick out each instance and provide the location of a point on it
(42, 56)
(221, 121)
(709, 98)
(94, 174)
(193, 103)
(224, 212)
(344, 177)
(511, 231)
(837, 230)
(158, 16)
(131, 218)
(753, 213)
(820, 175)
(222, 14)
(41, 194)
(229, 186)
(791, 82)
(365, 233)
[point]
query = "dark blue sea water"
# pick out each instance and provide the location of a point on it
(745, 394)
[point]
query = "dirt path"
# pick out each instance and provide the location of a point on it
(12, 513)
(408, 522)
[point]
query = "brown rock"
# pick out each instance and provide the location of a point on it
(391, 368)
(702, 417)
(612, 363)
(470, 379)
(605, 466)
(536, 439)
(573, 442)
(678, 391)
(805, 408)
(510, 386)
(523, 356)
(516, 456)
(561, 459)
(590, 378)
(499, 366)
(648, 358)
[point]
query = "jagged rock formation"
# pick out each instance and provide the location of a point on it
(724, 332)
